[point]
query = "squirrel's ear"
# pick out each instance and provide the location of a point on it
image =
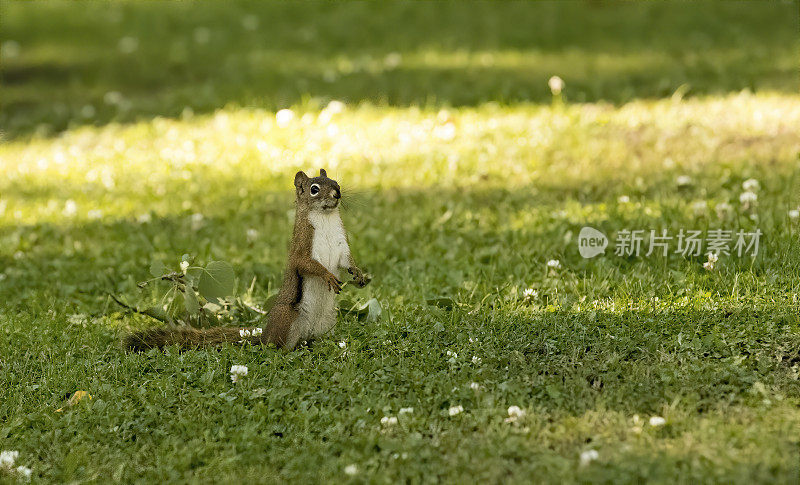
(323, 173)
(299, 179)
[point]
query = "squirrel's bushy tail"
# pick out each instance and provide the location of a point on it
(185, 338)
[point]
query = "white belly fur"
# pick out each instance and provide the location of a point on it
(329, 246)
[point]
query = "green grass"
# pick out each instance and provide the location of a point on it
(462, 178)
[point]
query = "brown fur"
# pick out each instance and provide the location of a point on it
(299, 265)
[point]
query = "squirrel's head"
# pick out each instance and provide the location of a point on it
(317, 193)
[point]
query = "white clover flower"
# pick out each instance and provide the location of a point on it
(588, 456)
(747, 198)
(70, 208)
(445, 132)
(144, 218)
(751, 185)
(392, 60)
(243, 332)
(112, 98)
(529, 293)
(7, 458)
(699, 207)
(476, 360)
(515, 413)
(389, 420)
(657, 421)
(454, 410)
(556, 85)
(473, 340)
(329, 75)
(351, 470)
(197, 221)
(284, 117)
(184, 266)
(713, 257)
(405, 411)
(623, 199)
(9, 49)
(794, 214)
(252, 235)
(683, 180)
(237, 372)
(451, 354)
(88, 111)
(723, 210)
(342, 344)
(250, 22)
(554, 264)
(24, 471)
(257, 331)
(202, 35)
(335, 107)
(474, 386)
(708, 266)
(128, 45)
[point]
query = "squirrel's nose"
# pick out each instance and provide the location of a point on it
(336, 194)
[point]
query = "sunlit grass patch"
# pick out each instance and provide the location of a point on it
(580, 150)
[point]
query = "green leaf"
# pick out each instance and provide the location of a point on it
(175, 306)
(374, 310)
(193, 275)
(442, 302)
(157, 269)
(370, 311)
(216, 281)
(347, 306)
(157, 313)
(190, 301)
(212, 307)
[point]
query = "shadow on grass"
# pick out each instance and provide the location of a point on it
(91, 64)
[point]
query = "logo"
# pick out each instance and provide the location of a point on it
(591, 242)
(690, 243)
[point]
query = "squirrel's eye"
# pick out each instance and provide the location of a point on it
(314, 189)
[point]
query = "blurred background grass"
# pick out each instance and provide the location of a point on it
(71, 63)
(140, 131)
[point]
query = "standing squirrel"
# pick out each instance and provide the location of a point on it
(305, 307)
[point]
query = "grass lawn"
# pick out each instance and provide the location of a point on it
(139, 132)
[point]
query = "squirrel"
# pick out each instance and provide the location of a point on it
(305, 306)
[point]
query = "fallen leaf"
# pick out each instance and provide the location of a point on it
(75, 399)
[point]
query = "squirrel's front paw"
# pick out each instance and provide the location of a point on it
(359, 278)
(333, 283)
